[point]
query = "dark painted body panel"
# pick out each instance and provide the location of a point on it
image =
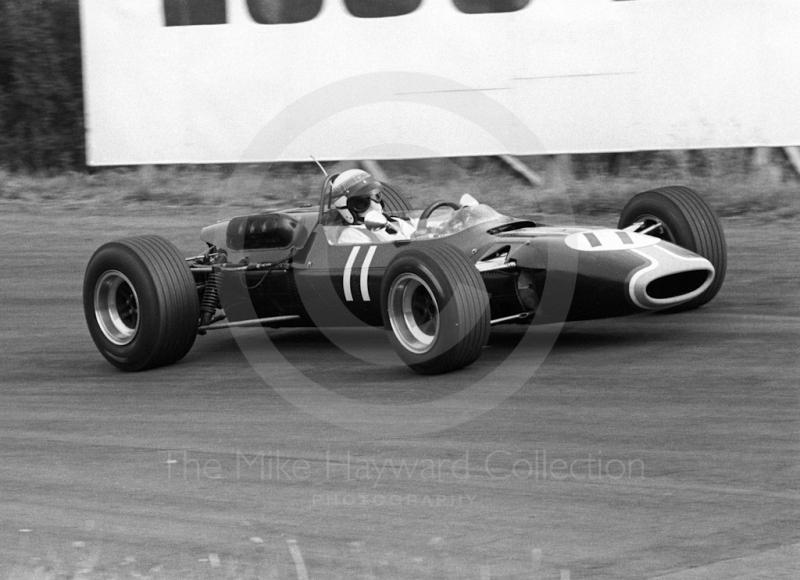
(312, 283)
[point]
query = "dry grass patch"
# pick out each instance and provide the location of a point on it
(261, 186)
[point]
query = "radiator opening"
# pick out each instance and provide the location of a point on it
(677, 284)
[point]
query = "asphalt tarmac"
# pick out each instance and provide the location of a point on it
(643, 447)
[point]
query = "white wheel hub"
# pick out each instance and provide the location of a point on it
(413, 313)
(116, 307)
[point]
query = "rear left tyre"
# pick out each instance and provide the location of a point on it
(140, 302)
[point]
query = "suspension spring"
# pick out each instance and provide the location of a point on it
(210, 299)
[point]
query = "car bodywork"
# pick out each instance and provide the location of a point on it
(436, 279)
(293, 273)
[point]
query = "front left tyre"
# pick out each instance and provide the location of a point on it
(435, 309)
(140, 303)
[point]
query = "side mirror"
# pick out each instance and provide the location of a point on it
(375, 220)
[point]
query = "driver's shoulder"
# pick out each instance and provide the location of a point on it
(353, 235)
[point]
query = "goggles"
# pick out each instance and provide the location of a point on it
(361, 203)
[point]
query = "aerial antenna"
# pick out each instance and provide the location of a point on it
(320, 165)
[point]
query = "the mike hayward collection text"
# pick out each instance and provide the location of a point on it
(279, 465)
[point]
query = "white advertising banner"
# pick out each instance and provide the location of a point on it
(226, 81)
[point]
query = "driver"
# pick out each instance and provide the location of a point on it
(355, 194)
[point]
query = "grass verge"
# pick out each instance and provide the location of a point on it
(257, 187)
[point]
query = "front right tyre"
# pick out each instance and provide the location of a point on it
(140, 303)
(681, 216)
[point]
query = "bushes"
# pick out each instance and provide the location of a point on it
(41, 100)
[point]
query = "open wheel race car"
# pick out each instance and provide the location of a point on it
(465, 268)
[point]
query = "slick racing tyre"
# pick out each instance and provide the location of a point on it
(140, 302)
(679, 215)
(436, 309)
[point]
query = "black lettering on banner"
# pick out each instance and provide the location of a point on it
(194, 12)
(381, 8)
(489, 6)
(204, 12)
(283, 11)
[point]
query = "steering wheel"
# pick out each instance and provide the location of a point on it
(422, 224)
(426, 213)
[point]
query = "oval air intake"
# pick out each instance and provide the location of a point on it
(678, 284)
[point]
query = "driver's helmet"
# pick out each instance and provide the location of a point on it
(355, 192)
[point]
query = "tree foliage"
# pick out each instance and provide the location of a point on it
(41, 94)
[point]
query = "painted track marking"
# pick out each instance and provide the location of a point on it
(299, 565)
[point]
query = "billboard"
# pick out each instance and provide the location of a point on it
(224, 81)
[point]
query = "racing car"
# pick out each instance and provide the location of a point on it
(465, 268)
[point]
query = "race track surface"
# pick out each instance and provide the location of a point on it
(651, 446)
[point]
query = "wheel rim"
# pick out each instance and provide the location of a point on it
(654, 226)
(413, 313)
(116, 307)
